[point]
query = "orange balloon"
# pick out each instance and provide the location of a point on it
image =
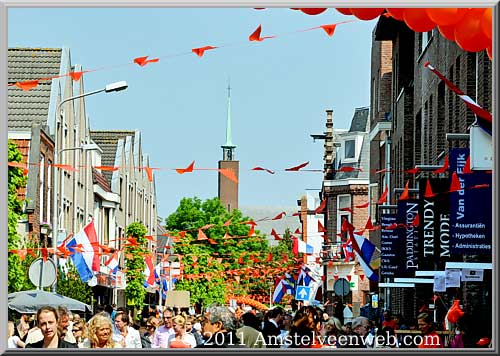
(489, 51)
(396, 13)
(344, 11)
(469, 34)
(447, 32)
(367, 13)
(486, 24)
(446, 16)
(417, 20)
(313, 11)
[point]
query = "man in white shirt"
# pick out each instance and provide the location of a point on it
(162, 333)
(127, 336)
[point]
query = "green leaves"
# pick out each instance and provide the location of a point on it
(17, 274)
(134, 263)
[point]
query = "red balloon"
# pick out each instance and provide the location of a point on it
(447, 32)
(469, 34)
(367, 13)
(486, 24)
(489, 51)
(344, 11)
(446, 16)
(314, 11)
(417, 20)
(397, 13)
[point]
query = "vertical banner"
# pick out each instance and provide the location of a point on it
(407, 212)
(390, 261)
(434, 227)
(470, 209)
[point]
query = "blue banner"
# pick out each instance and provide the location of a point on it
(470, 209)
(407, 212)
(390, 247)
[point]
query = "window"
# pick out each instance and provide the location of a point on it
(343, 201)
(42, 188)
(350, 149)
(49, 191)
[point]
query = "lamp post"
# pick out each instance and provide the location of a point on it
(118, 86)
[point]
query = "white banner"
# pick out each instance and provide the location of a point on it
(452, 278)
(440, 281)
(472, 275)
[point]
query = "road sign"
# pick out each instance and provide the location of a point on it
(375, 301)
(303, 293)
(42, 273)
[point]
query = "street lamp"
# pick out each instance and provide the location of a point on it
(118, 86)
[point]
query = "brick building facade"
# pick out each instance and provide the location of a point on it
(412, 127)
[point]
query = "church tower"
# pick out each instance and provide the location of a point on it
(228, 189)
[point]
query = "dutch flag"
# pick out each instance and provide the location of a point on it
(85, 248)
(113, 262)
(279, 291)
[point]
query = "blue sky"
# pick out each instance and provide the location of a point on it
(281, 88)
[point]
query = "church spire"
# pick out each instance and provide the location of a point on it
(228, 147)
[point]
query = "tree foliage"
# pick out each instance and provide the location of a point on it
(70, 285)
(17, 275)
(134, 264)
(199, 258)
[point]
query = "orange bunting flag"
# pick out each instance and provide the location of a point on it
(321, 228)
(349, 210)
(17, 164)
(182, 233)
(412, 171)
(362, 276)
(480, 186)
(188, 169)
(416, 221)
(444, 168)
(237, 279)
(362, 206)
(382, 171)
(263, 169)
(405, 195)
(212, 242)
(296, 168)
(149, 172)
(348, 277)
(369, 225)
(200, 51)
(194, 258)
(455, 185)
(208, 226)
(76, 75)
(329, 29)
(27, 85)
(107, 168)
(201, 235)
(228, 173)
(240, 260)
(251, 232)
(348, 169)
(45, 254)
(269, 257)
(255, 36)
(227, 223)
(321, 207)
(275, 235)
(250, 222)
(467, 169)
(428, 190)
(383, 197)
(22, 254)
(132, 241)
(65, 167)
(279, 216)
(150, 238)
(296, 214)
(142, 61)
(297, 231)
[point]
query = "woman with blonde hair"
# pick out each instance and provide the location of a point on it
(79, 332)
(13, 342)
(181, 339)
(99, 333)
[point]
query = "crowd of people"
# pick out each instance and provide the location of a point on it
(227, 327)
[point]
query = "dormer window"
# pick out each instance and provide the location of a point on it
(350, 149)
